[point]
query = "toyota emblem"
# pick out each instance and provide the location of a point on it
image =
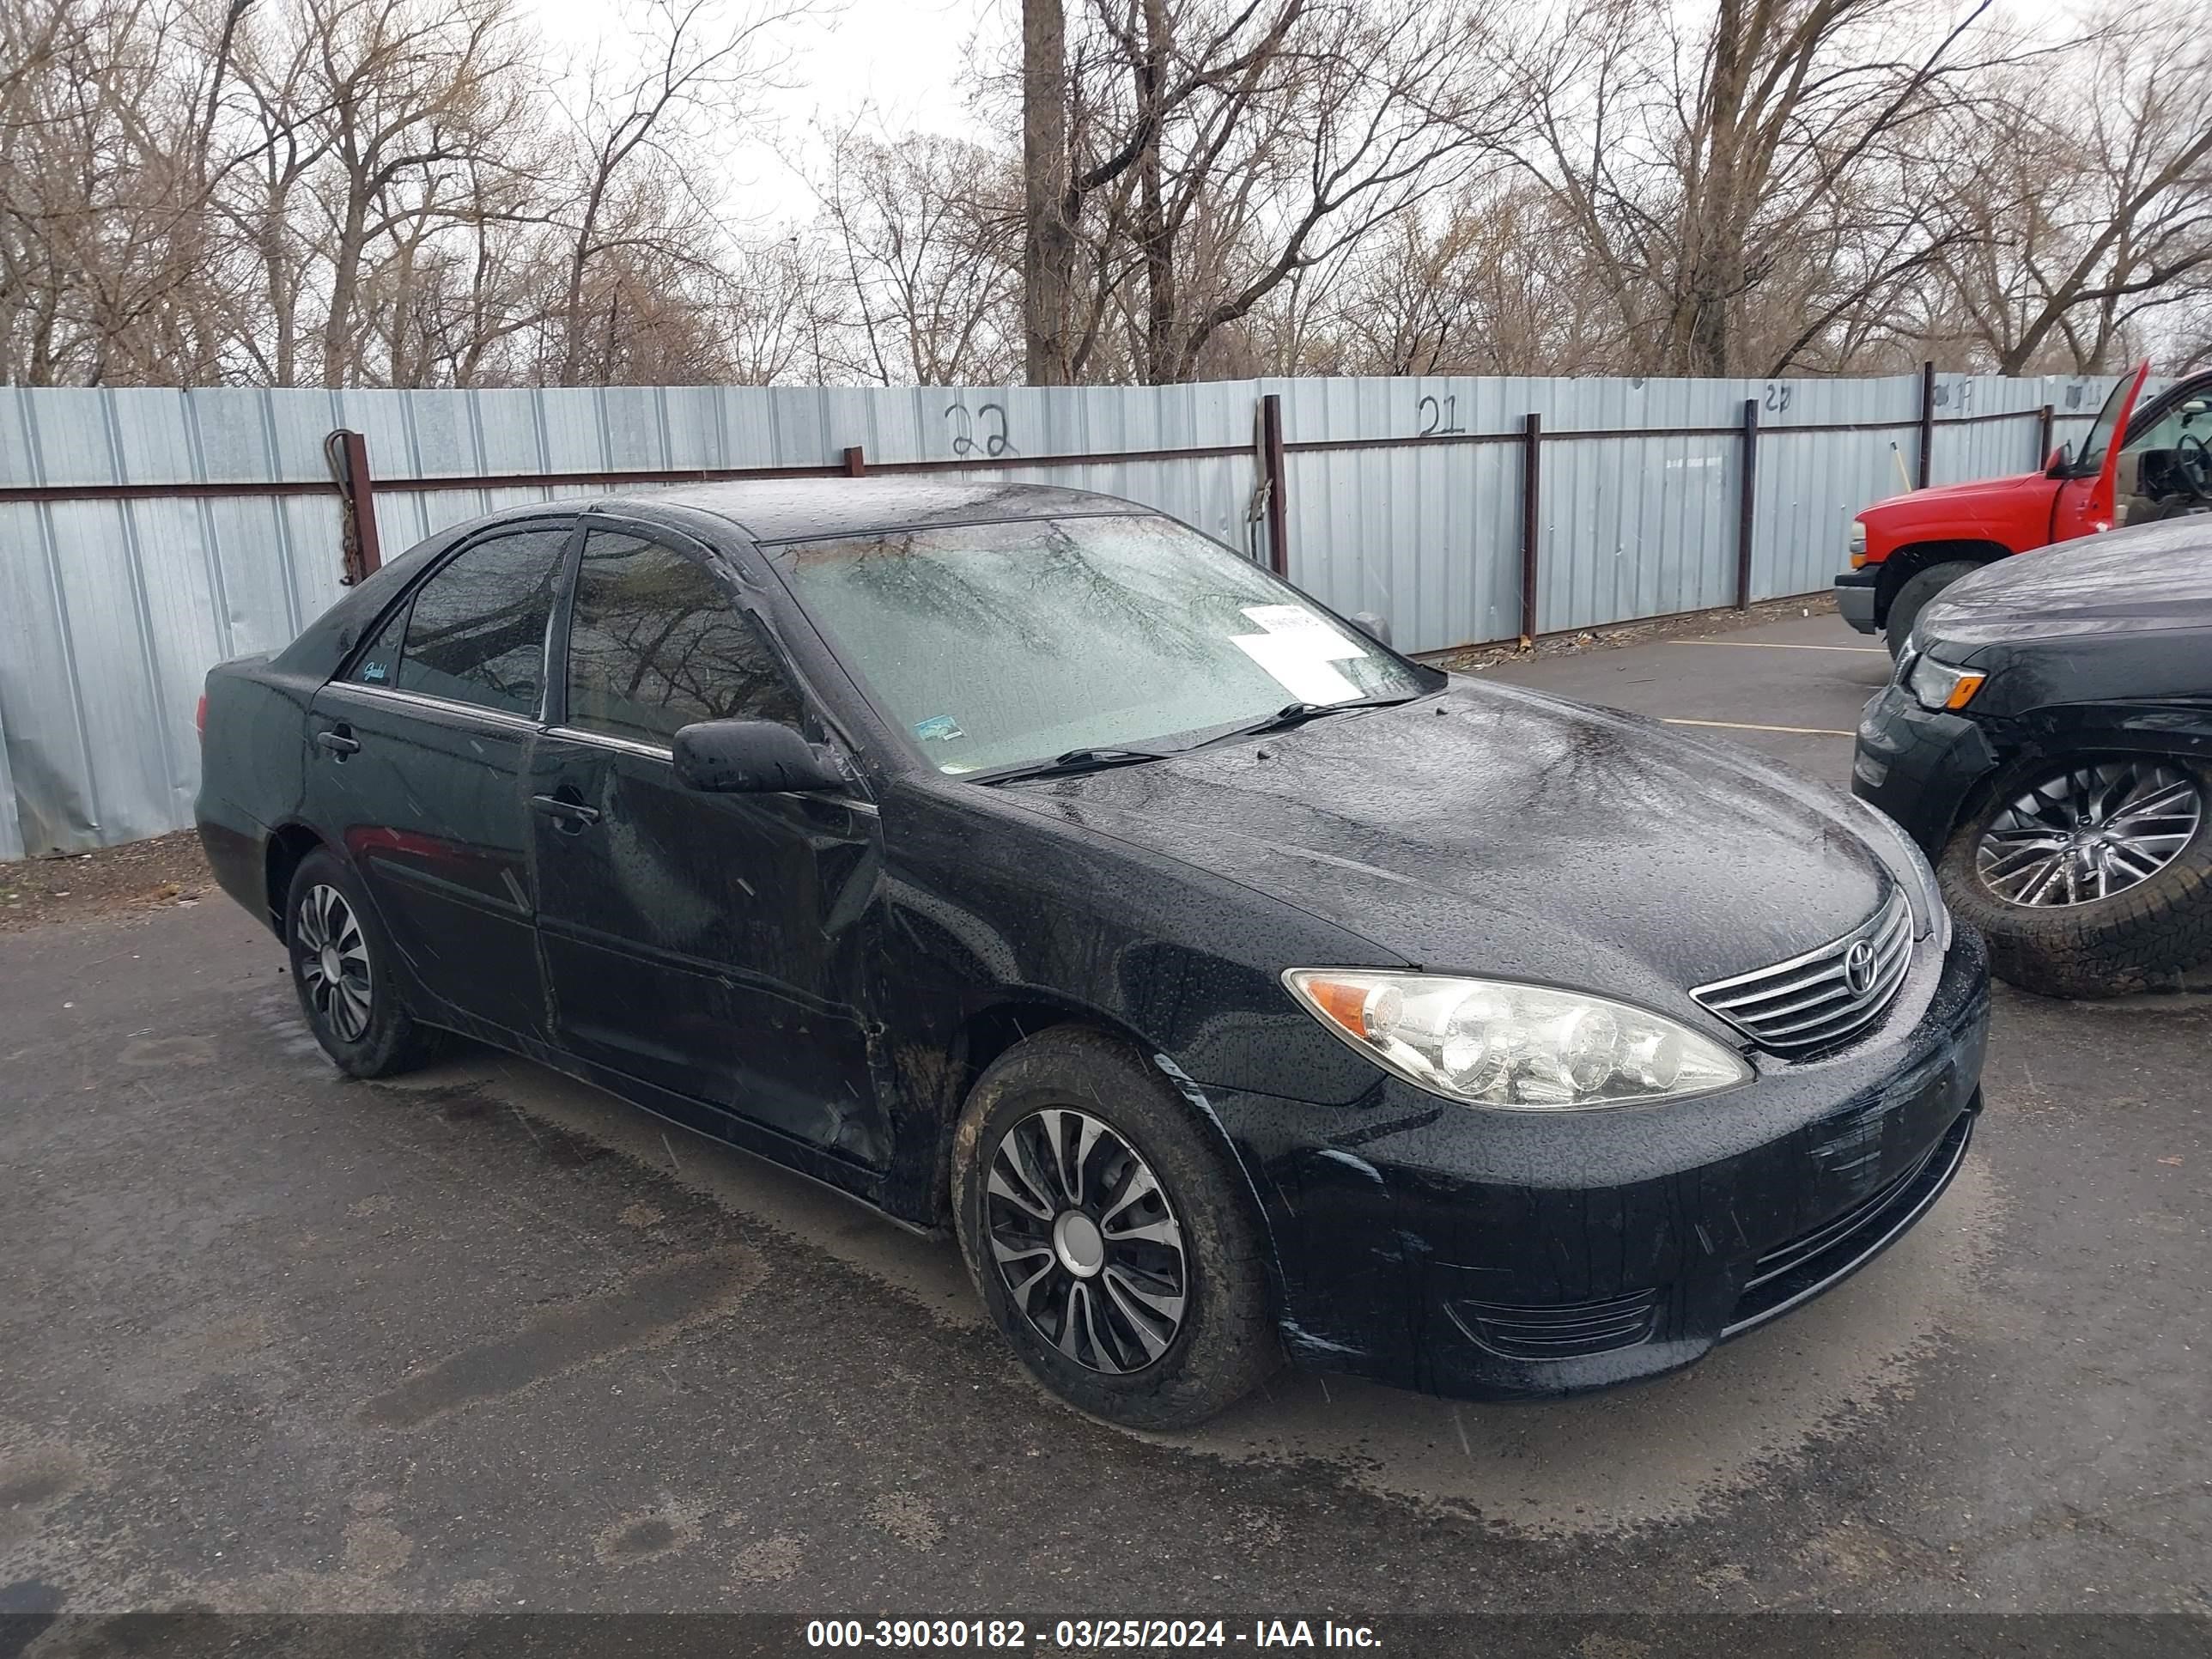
(1858, 968)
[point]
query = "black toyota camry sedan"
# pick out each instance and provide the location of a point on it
(1023, 863)
(2048, 738)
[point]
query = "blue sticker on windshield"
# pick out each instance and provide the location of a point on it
(937, 728)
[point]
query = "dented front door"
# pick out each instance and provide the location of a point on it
(709, 944)
(713, 945)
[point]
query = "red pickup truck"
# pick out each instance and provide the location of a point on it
(1906, 550)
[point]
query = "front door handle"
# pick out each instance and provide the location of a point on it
(574, 813)
(338, 740)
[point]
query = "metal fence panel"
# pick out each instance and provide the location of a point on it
(11, 830)
(111, 611)
(1810, 486)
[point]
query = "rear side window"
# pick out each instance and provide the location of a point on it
(655, 644)
(476, 631)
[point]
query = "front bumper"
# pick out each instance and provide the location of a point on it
(1495, 1255)
(1918, 764)
(1854, 596)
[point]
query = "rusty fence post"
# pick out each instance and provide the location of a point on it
(1273, 470)
(2047, 419)
(1927, 459)
(1747, 503)
(360, 552)
(856, 461)
(1532, 517)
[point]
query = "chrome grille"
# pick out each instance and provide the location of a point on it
(1809, 1001)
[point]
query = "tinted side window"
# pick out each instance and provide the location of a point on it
(655, 644)
(478, 630)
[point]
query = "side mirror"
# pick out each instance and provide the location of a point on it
(1376, 629)
(2061, 458)
(750, 757)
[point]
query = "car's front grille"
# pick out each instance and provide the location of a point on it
(1562, 1330)
(1825, 995)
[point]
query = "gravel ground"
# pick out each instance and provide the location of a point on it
(139, 878)
(1697, 625)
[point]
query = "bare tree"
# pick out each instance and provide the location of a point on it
(1455, 292)
(409, 93)
(1216, 149)
(782, 312)
(2090, 197)
(102, 205)
(1695, 151)
(405, 192)
(1049, 246)
(922, 229)
(643, 143)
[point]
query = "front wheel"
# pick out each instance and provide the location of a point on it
(1914, 598)
(1108, 1235)
(2089, 877)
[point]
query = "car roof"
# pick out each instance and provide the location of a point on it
(784, 509)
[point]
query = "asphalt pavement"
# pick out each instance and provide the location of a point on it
(487, 1340)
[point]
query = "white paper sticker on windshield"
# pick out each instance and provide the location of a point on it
(1297, 648)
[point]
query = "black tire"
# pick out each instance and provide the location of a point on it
(1912, 598)
(1225, 1344)
(384, 1039)
(2144, 935)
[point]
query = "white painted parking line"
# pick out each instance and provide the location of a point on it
(1783, 645)
(1745, 725)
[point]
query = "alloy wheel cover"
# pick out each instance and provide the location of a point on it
(334, 962)
(1085, 1242)
(2089, 832)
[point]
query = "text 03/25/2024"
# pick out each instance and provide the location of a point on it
(1073, 1635)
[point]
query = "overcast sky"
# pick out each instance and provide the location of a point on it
(903, 57)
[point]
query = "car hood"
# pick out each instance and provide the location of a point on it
(2155, 578)
(1488, 829)
(2014, 512)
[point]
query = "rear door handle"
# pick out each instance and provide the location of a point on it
(560, 807)
(338, 740)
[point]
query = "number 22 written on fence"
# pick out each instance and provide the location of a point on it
(965, 440)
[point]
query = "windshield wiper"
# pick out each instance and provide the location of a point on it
(1074, 761)
(1297, 713)
(1092, 759)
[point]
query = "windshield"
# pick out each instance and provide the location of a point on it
(1000, 644)
(2101, 436)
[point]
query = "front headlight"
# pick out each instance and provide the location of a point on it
(1526, 1048)
(1856, 546)
(1940, 685)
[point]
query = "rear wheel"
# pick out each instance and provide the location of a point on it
(1912, 598)
(1108, 1237)
(341, 968)
(2089, 877)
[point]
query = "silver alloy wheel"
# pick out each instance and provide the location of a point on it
(334, 962)
(1085, 1241)
(2089, 832)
